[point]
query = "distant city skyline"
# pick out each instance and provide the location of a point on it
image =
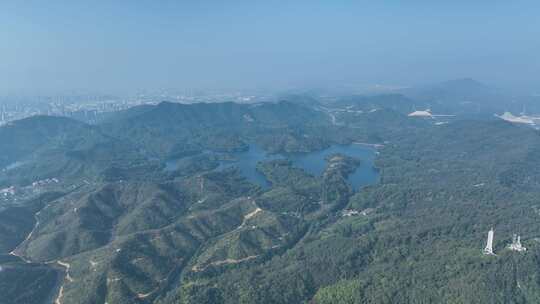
(126, 46)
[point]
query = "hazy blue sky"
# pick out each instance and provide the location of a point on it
(129, 45)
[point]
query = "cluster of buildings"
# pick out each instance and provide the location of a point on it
(91, 107)
(9, 191)
(85, 108)
(352, 212)
(514, 246)
(45, 182)
(16, 193)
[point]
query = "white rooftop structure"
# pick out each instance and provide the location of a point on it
(426, 113)
(516, 119)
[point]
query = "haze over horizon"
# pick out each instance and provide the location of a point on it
(269, 152)
(127, 46)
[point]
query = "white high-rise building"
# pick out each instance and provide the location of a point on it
(489, 245)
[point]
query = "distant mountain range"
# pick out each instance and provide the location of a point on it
(466, 97)
(458, 90)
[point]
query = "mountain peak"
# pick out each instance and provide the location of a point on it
(462, 83)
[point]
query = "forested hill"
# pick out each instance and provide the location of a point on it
(441, 190)
(42, 147)
(225, 114)
(24, 137)
(169, 129)
(91, 214)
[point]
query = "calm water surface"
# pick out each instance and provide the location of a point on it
(312, 162)
(315, 162)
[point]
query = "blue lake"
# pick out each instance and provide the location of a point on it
(315, 162)
(312, 162)
(246, 162)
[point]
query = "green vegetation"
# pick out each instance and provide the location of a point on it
(28, 283)
(121, 226)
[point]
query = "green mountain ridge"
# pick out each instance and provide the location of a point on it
(119, 228)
